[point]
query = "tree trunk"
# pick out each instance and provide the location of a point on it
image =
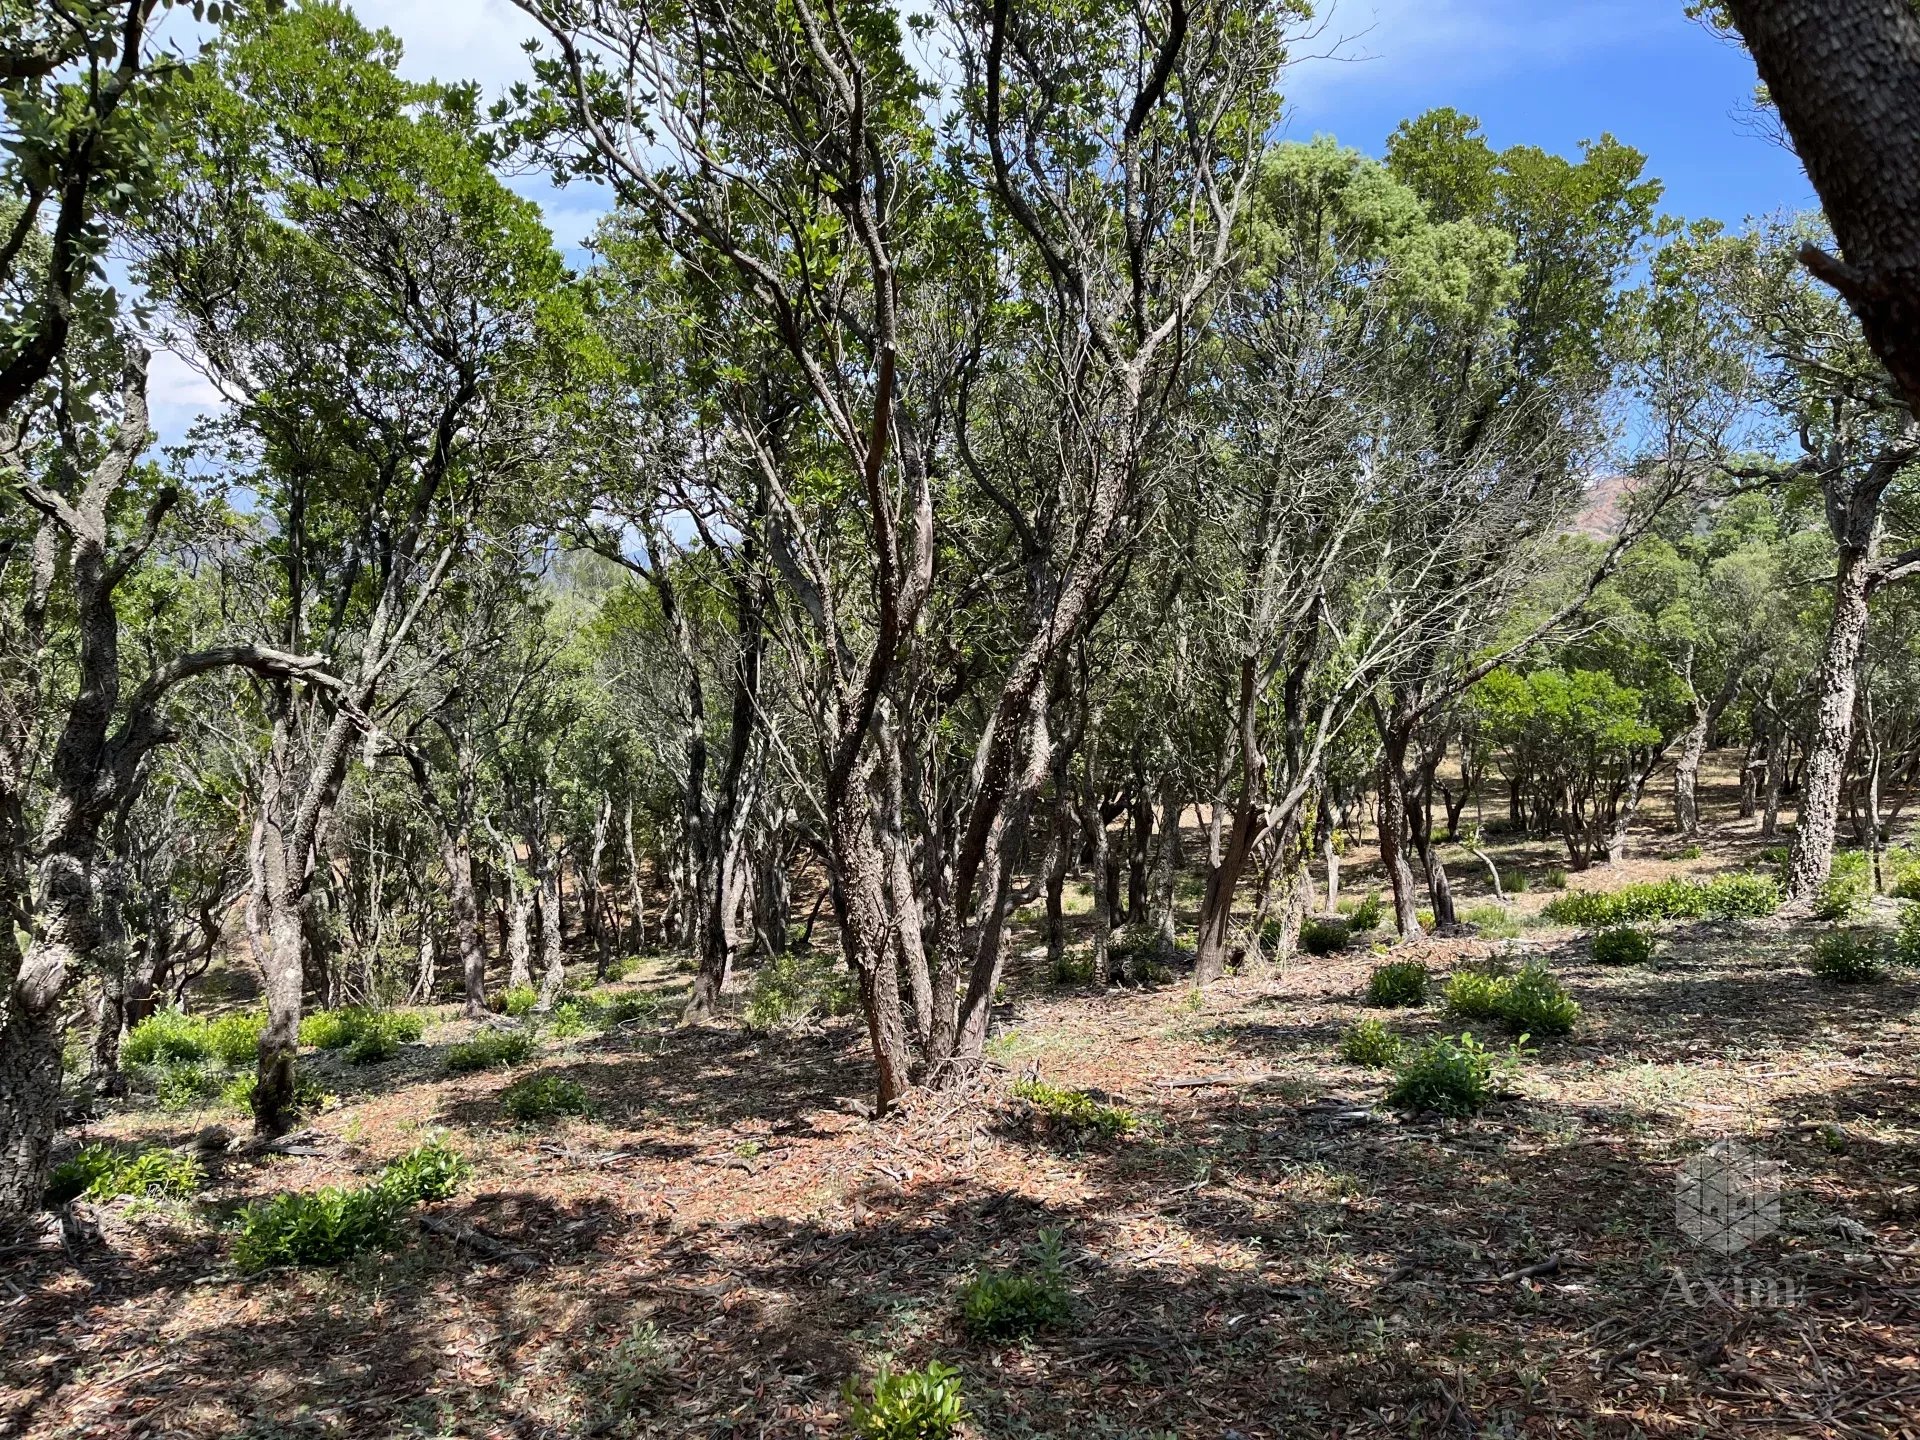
(1686, 773)
(1393, 816)
(1835, 682)
(1166, 859)
(457, 855)
(553, 966)
(866, 932)
(1845, 76)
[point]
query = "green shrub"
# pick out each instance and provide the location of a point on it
(626, 1009)
(1424, 918)
(1538, 1004)
(1844, 894)
(1847, 957)
(792, 988)
(309, 1094)
(1368, 914)
(1515, 882)
(185, 1084)
(543, 1097)
(1397, 983)
(1725, 898)
(377, 1033)
(1493, 921)
(234, 1040)
(102, 1172)
(489, 1050)
(1906, 940)
(166, 1036)
(1555, 878)
(1370, 1043)
(1624, 946)
(313, 1227)
(1071, 968)
(1323, 935)
(432, 1171)
(1900, 868)
(572, 1017)
(1454, 1075)
(326, 1226)
(1012, 1304)
(1075, 1112)
(519, 1000)
(909, 1405)
(1476, 992)
(1691, 852)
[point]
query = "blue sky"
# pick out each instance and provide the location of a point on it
(1548, 74)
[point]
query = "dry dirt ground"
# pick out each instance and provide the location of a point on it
(1272, 1253)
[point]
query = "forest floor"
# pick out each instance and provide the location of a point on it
(1271, 1253)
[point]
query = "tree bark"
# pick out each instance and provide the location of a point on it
(1835, 683)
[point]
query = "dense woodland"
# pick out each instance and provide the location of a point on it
(984, 524)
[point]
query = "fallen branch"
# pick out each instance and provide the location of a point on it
(480, 1243)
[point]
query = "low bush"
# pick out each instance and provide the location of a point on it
(184, 1084)
(1906, 940)
(1074, 1112)
(1847, 957)
(1691, 852)
(1727, 898)
(1453, 1075)
(309, 1094)
(1555, 878)
(327, 1226)
(1623, 946)
(518, 1001)
(377, 1034)
(1515, 882)
(544, 1097)
(909, 1404)
(628, 1009)
(1397, 983)
(1012, 1304)
(164, 1036)
(1900, 869)
(1495, 922)
(489, 1050)
(104, 1172)
(1844, 894)
(1370, 1043)
(793, 988)
(1323, 935)
(571, 1018)
(1072, 968)
(1529, 1000)
(1368, 914)
(234, 1040)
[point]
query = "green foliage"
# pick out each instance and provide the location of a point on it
(1691, 852)
(909, 1404)
(1370, 1043)
(184, 1084)
(1514, 882)
(489, 1050)
(432, 1171)
(166, 1035)
(1624, 946)
(1847, 889)
(102, 1172)
(1368, 914)
(1074, 1112)
(1555, 878)
(518, 1001)
(309, 1095)
(1906, 940)
(234, 1040)
(1847, 957)
(1072, 968)
(364, 1033)
(1726, 898)
(544, 1097)
(1321, 935)
(1529, 1000)
(792, 988)
(635, 1007)
(1900, 867)
(1494, 921)
(1453, 1075)
(327, 1226)
(571, 1018)
(1012, 1304)
(1398, 983)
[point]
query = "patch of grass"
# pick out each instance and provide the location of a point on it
(489, 1050)
(1495, 922)
(1691, 852)
(636, 1364)
(104, 1172)
(1515, 882)
(544, 1097)
(1012, 1304)
(909, 1404)
(1323, 935)
(1074, 1112)
(1398, 983)
(1368, 1042)
(1453, 1075)
(1728, 897)
(627, 1009)
(1624, 946)
(1847, 957)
